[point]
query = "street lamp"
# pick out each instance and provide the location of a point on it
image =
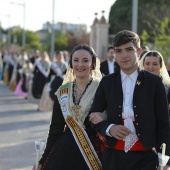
(135, 16)
(9, 30)
(23, 31)
(52, 29)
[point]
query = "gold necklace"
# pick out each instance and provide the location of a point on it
(77, 88)
(76, 109)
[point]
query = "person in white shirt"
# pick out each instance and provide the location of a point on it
(136, 109)
(110, 65)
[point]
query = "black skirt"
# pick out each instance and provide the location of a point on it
(65, 155)
(39, 81)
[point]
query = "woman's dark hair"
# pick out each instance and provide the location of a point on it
(88, 49)
(153, 54)
(124, 37)
(27, 61)
(142, 54)
(57, 53)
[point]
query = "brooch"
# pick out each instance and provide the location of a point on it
(138, 82)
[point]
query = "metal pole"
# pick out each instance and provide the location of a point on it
(52, 29)
(23, 31)
(135, 16)
(0, 32)
(9, 33)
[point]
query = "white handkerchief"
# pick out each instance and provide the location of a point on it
(131, 139)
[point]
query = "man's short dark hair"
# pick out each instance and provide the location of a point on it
(124, 37)
(110, 47)
(145, 47)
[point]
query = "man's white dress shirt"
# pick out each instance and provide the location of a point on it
(128, 85)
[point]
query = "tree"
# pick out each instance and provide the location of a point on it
(73, 40)
(120, 16)
(65, 41)
(160, 37)
(61, 42)
(153, 22)
(32, 39)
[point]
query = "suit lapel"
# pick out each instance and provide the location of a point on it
(118, 88)
(116, 67)
(107, 67)
(138, 85)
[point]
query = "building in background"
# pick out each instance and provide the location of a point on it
(64, 28)
(99, 36)
(78, 30)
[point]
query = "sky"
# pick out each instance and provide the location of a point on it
(38, 12)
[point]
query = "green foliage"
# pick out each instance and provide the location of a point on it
(144, 37)
(32, 39)
(160, 37)
(149, 12)
(61, 42)
(65, 41)
(2, 44)
(72, 41)
(120, 16)
(153, 22)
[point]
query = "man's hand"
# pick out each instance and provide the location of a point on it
(119, 131)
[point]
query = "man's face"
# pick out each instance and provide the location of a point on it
(126, 56)
(110, 54)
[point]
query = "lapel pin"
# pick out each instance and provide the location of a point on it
(138, 82)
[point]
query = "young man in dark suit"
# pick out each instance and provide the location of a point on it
(110, 65)
(137, 111)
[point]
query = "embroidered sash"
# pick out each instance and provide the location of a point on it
(40, 67)
(56, 69)
(78, 132)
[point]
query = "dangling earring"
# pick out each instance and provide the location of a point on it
(90, 72)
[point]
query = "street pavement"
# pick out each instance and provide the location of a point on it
(20, 125)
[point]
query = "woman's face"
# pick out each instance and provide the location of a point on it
(42, 56)
(152, 64)
(58, 57)
(81, 63)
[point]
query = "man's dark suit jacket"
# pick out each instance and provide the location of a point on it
(150, 109)
(104, 68)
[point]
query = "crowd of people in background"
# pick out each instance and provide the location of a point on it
(35, 76)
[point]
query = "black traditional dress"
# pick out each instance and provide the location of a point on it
(62, 151)
(26, 76)
(22, 86)
(11, 67)
(20, 64)
(46, 103)
(40, 74)
(56, 77)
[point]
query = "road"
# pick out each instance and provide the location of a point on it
(20, 125)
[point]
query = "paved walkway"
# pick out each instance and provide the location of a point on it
(20, 126)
